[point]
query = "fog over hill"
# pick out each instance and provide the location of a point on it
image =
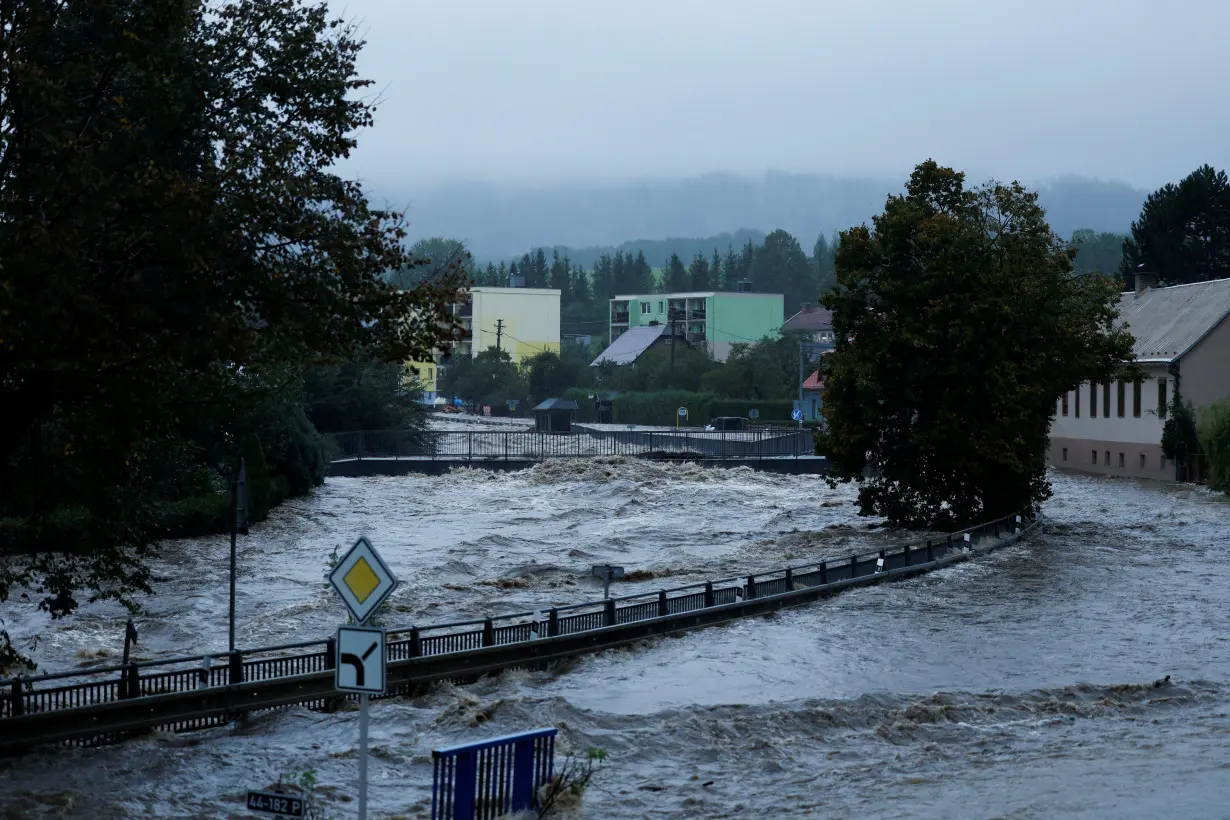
(504, 220)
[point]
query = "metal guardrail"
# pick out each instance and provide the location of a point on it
(529, 445)
(107, 704)
(491, 778)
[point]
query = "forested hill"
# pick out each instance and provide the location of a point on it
(500, 221)
(654, 249)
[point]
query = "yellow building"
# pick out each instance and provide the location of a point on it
(425, 373)
(522, 321)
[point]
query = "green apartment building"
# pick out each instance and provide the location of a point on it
(715, 319)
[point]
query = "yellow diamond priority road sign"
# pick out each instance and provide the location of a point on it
(363, 580)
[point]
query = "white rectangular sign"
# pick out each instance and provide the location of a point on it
(362, 662)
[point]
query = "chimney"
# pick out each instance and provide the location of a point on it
(808, 307)
(1144, 280)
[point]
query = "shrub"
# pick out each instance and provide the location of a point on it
(1213, 432)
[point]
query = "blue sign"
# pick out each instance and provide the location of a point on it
(796, 414)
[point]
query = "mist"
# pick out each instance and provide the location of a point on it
(493, 104)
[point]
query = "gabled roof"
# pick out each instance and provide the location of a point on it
(813, 382)
(629, 346)
(558, 404)
(813, 319)
(1169, 322)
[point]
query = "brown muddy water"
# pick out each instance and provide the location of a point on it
(1017, 686)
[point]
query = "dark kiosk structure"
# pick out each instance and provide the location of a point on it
(555, 416)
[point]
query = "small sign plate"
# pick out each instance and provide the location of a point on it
(363, 580)
(361, 660)
(282, 805)
(796, 414)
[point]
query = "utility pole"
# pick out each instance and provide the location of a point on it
(499, 332)
(672, 315)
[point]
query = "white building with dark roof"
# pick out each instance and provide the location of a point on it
(1181, 332)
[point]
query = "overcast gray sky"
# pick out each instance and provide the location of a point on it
(559, 90)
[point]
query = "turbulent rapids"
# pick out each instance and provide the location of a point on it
(1030, 683)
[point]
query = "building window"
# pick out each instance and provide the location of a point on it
(1065, 453)
(1161, 399)
(1095, 458)
(660, 310)
(1106, 459)
(1065, 403)
(1121, 461)
(646, 307)
(1122, 387)
(1076, 409)
(1093, 400)
(1135, 400)
(1142, 461)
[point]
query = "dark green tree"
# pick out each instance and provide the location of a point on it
(549, 374)
(490, 378)
(640, 274)
(560, 276)
(698, 273)
(603, 277)
(429, 259)
(782, 267)
(958, 324)
(363, 395)
(731, 271)
(1097, 252)
(170, 221)
(675, 275)
(1183, 233)
(822, 256)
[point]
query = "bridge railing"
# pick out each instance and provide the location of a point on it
(76, 689)
(529, 445)
(491, 778)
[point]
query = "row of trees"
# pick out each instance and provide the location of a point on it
(183, 279)
(778, 264)
(765, 370)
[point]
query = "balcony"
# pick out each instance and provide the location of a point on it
(619, 318)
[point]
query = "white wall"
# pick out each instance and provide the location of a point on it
(1144, 430)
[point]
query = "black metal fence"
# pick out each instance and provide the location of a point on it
(528, 445)
(92, 687)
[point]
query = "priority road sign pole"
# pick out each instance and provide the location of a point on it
(364, 706)
(234, 531)
(239, 520)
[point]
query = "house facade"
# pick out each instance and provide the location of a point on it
(715, 320)
(1182, 335)
(816, 323)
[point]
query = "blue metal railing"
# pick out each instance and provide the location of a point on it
(491, 778)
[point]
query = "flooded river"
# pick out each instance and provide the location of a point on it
(1018, 686)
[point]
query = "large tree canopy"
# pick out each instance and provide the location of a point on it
(1183, 233)
(959, 323)
(173, 247)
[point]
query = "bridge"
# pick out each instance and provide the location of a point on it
(108, 704)
(779, 449)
